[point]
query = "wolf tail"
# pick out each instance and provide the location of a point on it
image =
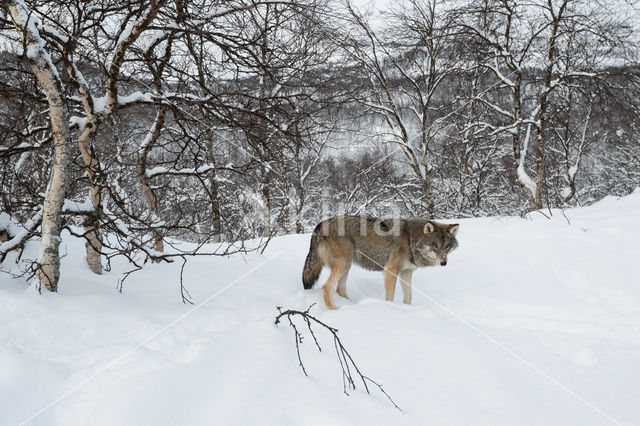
(313, 265)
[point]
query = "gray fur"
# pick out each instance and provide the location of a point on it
(371, 243)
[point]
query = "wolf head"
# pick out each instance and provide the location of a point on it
(431, 242)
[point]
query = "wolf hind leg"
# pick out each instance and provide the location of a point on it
(405, 285)
(338, 269)
(342, 284)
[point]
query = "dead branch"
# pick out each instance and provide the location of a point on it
(350, 371)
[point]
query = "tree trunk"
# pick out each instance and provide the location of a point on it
(216, 225)
(44, 70)
(91, 225)
(214, 195)
(299, 207)
(557, 17)
(427, 189)
(266, 204)
(147, 144)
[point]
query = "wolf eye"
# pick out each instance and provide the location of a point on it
(435, 246)
(447, 246)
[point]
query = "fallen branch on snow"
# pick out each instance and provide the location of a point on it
(348, 366)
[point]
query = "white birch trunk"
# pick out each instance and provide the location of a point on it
(93, 235)
(152, 137)
(47, 75)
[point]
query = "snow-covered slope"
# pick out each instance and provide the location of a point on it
(534, 321)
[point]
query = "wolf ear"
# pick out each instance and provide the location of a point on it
(453, 230)
(428, 228)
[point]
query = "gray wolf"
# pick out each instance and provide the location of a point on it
(395, 246)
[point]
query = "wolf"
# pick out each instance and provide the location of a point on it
(395, 246)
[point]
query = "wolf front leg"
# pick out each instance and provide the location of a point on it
(390, 277)
(342, 284)
(405, 285)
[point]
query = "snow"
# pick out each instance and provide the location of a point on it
(78, 207)
(80, 122)
(22, 145)
(134, 97)
(100, 103)
(9, 224)
(35, 49)
(159, 170)
(533, 321)
(523, 176)
(49, 29)
(573, 170)
(15, 231)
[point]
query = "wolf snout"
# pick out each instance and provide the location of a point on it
(443, 262)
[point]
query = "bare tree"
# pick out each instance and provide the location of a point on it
(148, 68)
(135, 124)
(525, 46)
(33, 49)
(405, 68)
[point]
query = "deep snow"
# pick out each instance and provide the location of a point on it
(534, 321)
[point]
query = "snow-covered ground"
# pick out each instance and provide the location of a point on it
(534, 321)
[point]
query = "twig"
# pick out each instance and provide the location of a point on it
(347, 364)
(186, 296)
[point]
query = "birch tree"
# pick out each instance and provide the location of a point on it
(405, 68)
(27, 25)
(524, 45)
(120, 57)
